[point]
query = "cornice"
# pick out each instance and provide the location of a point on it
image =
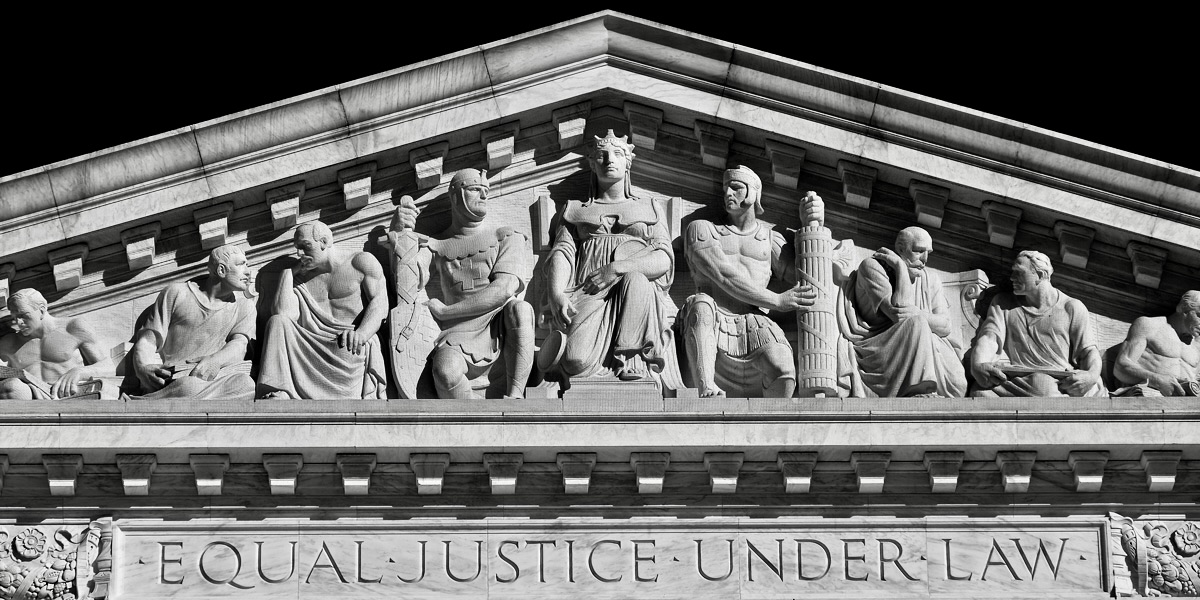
(1143, 198)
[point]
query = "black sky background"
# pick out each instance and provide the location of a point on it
(1124, 80)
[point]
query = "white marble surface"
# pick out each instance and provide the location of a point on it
(612, 558)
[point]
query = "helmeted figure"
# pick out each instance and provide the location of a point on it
(733, 347)
(607, 277)
(482, 272)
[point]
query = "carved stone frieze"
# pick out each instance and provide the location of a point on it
(63, 562)
(1156, 557)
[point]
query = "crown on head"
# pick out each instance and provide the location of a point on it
(611, 139)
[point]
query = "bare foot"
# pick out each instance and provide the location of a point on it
(276, 395)
(711, 391)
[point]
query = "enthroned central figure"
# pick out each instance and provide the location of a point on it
(607, 278)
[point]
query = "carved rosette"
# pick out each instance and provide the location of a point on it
(47, 562)
(1160, 556)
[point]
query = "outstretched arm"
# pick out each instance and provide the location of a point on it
(706, 257)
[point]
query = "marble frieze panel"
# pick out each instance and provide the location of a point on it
(594, 558)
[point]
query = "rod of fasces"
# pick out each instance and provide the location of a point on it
(816, 358)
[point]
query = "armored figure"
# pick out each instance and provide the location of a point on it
(321, 340)
(201, 332)
(47, 356)
(1161, 355)
(607, 277)
(908, 346)
(481, 316)
(732, 346)
(1035, 340)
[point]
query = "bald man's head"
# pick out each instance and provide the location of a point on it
(914, 244)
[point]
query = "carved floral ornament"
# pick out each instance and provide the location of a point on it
(1160, 557)
(49, 563)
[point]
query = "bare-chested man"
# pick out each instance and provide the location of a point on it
(320, 341)
(1161, 355)
(57, 354)
(733, 347)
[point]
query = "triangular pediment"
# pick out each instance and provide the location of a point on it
(881, 157)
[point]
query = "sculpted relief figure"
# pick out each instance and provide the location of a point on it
(200, 332)
(1161, 355)
(481, 317)
(47, 356)
(607, 277)
(1035, 340)
(907, 347)
(733, 347)
(321, 339)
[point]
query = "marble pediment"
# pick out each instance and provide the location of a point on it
(882, 158)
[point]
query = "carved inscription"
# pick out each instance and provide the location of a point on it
(353, 562)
